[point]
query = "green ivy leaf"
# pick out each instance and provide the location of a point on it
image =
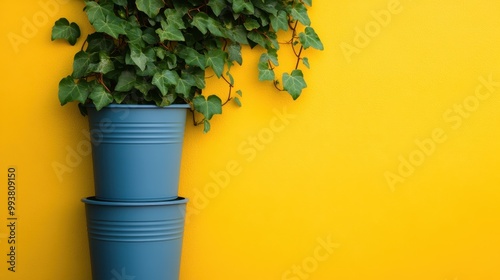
(251, 24)
(143, 86)
(209, 107)
(231, 78)
(67, 31)
(149, 36)
(217, 6)
(258, 38)
(299, 12)
(305, 61)
(97, 12)
(241, 6)
(205, 23)
(100, 96)
(70, 91)
(151, 69)
(237, 34)
(267, 6)
(126, 81)
(103, 18)
(170, 60)
(234, 52)
(280, 21)
(265, 72)
(206, 126)
(184, 6)
(169, 33)
(192, 57)
(118, 97)
(167, 100)
(99, 42)
(122, 3)
(201, 21)
(264, 20)
(82, 63)
(271, 55)
(309, 38)
(164, 80)
(113, 26)
(184, 84)
(150, 7)
(215, 59)
(199, 78)
(174, 18)
(215, 27)
(273, 41)
(105, 64)
(134, 36)
(139, 58)
(294, 83)
(237, 101)
(308, 2)
(161, 53)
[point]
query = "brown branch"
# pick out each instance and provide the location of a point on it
(101, 81)
(230, 91)
(275, 83)
(299, 58)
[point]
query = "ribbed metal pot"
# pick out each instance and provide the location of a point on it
(136, 151)
(135, 240)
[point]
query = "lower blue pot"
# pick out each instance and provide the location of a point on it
(135, 240)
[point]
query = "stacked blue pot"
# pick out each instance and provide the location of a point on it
(135, 221)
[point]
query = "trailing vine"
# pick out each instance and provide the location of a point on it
(158, 51)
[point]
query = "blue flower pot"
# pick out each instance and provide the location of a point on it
(135, 240)
(136, 151)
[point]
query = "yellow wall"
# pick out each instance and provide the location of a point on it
(386, 167)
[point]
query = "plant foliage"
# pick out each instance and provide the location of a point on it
(158, 51)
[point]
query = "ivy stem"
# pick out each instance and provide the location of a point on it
(194, 118)
(298, 57)
(196, 9)
(84, 42)
(275, 83)
(101, 81)
(230, 91)
(195, 123)
(164, 46)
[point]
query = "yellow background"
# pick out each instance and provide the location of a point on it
(317, 176)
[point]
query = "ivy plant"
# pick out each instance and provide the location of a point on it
(163, 51)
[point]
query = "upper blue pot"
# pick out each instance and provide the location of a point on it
(136, 151)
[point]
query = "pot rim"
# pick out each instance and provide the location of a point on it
(142, 106)
(94, 201)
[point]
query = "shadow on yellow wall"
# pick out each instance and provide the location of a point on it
(385, 167)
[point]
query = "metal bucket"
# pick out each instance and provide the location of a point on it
(136, 151)
(135, 240)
